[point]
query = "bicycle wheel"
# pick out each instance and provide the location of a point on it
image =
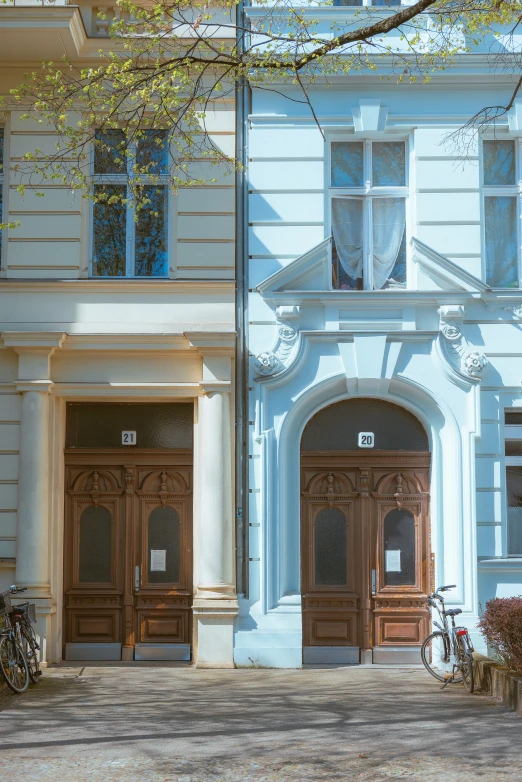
(13, 665)
(30, 648)
(437, 658)
(466, 666)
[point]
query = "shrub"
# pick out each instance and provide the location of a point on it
(501, 626)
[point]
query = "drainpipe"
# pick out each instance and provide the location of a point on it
(242, 101)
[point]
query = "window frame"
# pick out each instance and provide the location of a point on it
(130, 224)
(367, 193)
(509, 430)
(514, 190)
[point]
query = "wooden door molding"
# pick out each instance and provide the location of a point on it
(130, 484)
(371, 484)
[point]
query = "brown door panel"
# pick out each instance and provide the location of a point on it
(384, 497)
(111, 495)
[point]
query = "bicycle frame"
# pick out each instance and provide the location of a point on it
(451, 634)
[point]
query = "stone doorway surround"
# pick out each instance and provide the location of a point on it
(55, 367)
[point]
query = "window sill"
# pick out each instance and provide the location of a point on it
(501, 563)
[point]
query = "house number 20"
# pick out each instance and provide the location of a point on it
(366, 440)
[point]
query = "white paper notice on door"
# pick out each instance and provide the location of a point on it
(158, 559)
(393, 561)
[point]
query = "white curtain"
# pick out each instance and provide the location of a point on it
(389, 223)
(347, 230)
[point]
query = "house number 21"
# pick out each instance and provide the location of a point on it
(128, 438)
(366, 440)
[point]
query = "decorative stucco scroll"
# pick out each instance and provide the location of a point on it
(459, 360)
(279, 358)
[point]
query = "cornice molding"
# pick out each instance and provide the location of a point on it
(121, 286)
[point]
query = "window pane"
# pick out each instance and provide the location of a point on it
(500, 215)
(151, 234)
(100, 424)
(1, 150)
(109, 152)
(386, 2)
(389, 243)
(347, 249)
(109, 231)
(388, 162)
(514, 494)
(499, 163)
(347, 2)
(347, 164)
(95, 545)
(152, 151)
(399, 548)
(513, 418)
(330, 547)
(164, 550)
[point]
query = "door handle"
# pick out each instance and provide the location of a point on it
(137, 578)
(374, 583)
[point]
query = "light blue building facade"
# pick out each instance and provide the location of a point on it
(383, 265)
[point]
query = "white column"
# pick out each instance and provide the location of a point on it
(215, 603)
(32, 543)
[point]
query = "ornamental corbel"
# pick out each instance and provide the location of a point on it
(459, 359)
(278, 359)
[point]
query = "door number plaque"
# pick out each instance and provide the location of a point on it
(366, 440)
(128, 438)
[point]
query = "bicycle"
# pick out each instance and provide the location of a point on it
(447, 653)
(24, 616)
(13, 664)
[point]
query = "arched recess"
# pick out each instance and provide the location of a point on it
(280, 453)
(374, 607)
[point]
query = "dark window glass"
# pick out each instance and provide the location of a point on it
(499, 163)
(330, 548)
(347, 2)
(110, 237)
(388, 157)
(152, 152)
(347, 164)
(1, 187)
(164, 548)
(399, 548)
(156, 425)
(500, 219)
(151, 234)
(95, 545)
(513, 418)
(336, 428)
(513, 447)
(109, 152)
(514, 495)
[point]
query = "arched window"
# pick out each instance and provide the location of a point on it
(95, 546)
(399, 548)
(336, 428)
(330, 548)
(164, 546)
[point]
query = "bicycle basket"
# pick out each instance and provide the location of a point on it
(5, 604)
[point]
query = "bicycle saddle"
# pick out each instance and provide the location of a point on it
(453, 611)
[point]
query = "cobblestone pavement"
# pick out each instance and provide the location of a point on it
(155, 723)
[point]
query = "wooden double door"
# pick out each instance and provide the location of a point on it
(128, 555)
(365, 556)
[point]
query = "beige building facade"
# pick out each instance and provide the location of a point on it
(116, 395)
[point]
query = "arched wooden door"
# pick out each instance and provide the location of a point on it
(128, 555)
(365, 555)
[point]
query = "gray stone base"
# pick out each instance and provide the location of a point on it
(331, 655)
(396, 655)
(93, 651)
(180, 652)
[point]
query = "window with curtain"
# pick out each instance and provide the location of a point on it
(368, 190)
(125, 244)
(501, 213)
(513, 450)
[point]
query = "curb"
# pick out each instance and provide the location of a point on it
(499, 682)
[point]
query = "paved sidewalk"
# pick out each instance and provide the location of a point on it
(154, 723)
